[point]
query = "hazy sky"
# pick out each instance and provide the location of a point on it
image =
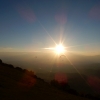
(29, 25)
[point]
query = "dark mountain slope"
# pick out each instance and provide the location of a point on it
(21, 84)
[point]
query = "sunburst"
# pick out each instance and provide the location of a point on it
(58, 49)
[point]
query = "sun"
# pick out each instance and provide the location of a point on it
(59, 49)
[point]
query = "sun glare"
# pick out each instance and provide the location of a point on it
(59, 49)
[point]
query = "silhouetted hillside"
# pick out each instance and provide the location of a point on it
(20, 84)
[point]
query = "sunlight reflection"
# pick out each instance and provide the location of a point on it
(61, 77)
(94, 82)
(27, 81)
(26, 13)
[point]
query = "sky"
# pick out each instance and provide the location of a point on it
(31, 25)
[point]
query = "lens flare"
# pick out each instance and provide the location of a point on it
(59, 49)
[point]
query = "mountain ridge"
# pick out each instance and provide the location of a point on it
(17, 84)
